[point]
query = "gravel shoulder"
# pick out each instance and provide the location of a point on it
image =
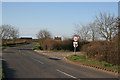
(59, 55)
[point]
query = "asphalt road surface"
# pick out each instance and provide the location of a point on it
(23, 62)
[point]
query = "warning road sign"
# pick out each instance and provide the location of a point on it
(75, 38)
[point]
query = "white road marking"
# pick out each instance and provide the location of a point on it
(37, 60)
(33, 58)
(66, 74)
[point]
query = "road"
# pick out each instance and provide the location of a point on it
(23, 62)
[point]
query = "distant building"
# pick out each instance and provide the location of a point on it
(26, 38)
(57, 39)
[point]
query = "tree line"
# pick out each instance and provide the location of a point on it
(103, 27)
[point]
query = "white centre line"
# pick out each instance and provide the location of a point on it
(66, 74)
(37, 61)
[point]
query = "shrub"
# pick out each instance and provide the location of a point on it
(102, 51)
(81, 43)
(48, 44)
(66, 45)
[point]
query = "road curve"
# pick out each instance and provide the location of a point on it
(23, 62)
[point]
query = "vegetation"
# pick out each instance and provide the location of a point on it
(43, 34)
(90, 62)
(8, 32)
(14, 45)
(103, 33)
(52, 45)
(103, 51)
(37, 47)
(105, 26)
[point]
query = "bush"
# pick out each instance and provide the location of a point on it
(49, 44)
(102, 51)
(66, 45)
(80, 44)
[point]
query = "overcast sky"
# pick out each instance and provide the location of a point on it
(57, 17)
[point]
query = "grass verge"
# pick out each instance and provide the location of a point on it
(37, 47)
(14, 45)
(81, 59)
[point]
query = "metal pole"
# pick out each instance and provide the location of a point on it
(75, 50)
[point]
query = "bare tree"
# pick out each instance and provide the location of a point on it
(43, 34)
(14, 33)
(9, 32)
(106, 25)
(5, 32)
(83, 32)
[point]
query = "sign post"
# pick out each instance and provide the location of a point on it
(75, 43)
(75, 50)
